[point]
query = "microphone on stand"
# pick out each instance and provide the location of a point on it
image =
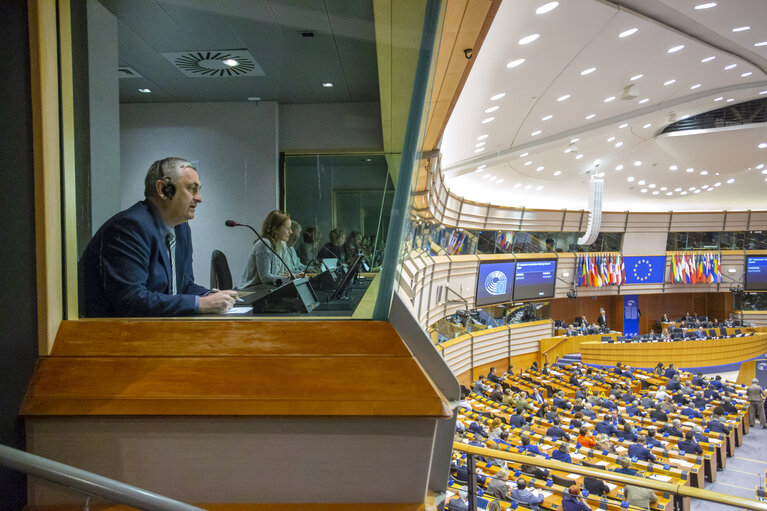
(232, 223)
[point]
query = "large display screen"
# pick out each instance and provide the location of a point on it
(495, 283)
(535, 279)
(756, 273)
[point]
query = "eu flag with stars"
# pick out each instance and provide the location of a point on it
(644, 269)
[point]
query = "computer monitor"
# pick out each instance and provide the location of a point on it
(535, 279)
(495, 282)
(756, 273)
(348, 278)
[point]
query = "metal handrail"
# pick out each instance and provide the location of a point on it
(678, 489)
(88, 482)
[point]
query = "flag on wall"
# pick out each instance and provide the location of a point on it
(600, 270)
(695, 268)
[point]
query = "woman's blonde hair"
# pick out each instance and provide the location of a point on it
(271, 225)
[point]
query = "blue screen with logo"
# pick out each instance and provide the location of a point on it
(756, 273)
(495, 283)
(535, 279)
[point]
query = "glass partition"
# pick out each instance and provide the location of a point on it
(730, 240)
(473, 320)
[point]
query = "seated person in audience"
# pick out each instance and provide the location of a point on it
(587, 411)
(606, 426)
(680, 397)
(585, 439)
(559, 401)
(710, 393)
(698, 380)
(562, 453)
(727, 406)
(659, 370)
(616, 418)
(497, 394)
(310, 244)
(528, 447)
(716, 424)
(516, 419)
(556, 432)
(691, 412)
(572, 331)
(661, 393)
(537, 396)
(628, 372)
(640, 497)
(495, 428)
(665, 335)
(672, 385)
(522, 404)
(572, 500)
(263, 267)
(699, 400)
(689, 445)
(294, 262)
(536, 472)
(639, 451)
(596, 486)
(665, 319)
(657, 414)
(534, 366)
(651, 440)
(545, 369)
(667, 406)
(480, 386)
(580, 393)
(352, 246)
(718, 410)
(478, 430)
(594, 375)
(670, 371)
(673, 429)
(498, 487)
(573, 380)
(633, 409)
(508, 397)
(577, 405)
(699, 436)
(542, 411)
(525, 496)
(604, 443)
(494, 377)
(628, 433)
(459, 502)
(334, 249)
(648, 400)
(618, 369)
(577, 421)
(625, 466)
(700, 333)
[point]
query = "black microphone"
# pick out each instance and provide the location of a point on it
(232, 223)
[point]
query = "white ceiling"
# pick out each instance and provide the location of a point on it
(524, 155)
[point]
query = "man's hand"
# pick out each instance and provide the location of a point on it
(217, 302)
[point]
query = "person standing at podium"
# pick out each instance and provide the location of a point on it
(264, 267)
(139, 263)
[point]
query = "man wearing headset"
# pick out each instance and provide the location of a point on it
(139, 263)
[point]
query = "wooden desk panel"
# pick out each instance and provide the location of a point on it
(701, 353)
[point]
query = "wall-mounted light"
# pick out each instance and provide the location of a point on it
(565, 273)
(731, 270)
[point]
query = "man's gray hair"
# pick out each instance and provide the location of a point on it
(168, 167)
(754, 380)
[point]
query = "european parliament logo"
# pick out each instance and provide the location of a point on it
(644, 269)
(495, 283)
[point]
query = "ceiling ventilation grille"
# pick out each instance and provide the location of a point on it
(749, 112)
(128, 72)
(215, 63)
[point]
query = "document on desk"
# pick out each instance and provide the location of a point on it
(683, 463)
(611, 486)
(239, 310)
(621, 449)
(577, 456)
(573, 476)
(660, 477)
(641, 376)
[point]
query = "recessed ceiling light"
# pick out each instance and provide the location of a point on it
(638, 163)
(611, 98)
(590, 116)
(669, 82)
(693, 87)
(529, 39)
(708, 5)
(708, 59)
(762, 145)
(538, 169)
(596, 162)
(231, 62)
(588, 71)
(763, 43)
(497, 96)
(730, 100)
(487, 176)
(611, 139)
(651, 185)
(528, 187)
(539, 187)
(550, 6)
(647, 125)
(704, 187)
(720, 98)
(482, 137)
(731, 180)
(760, 166)
(703, 172)
(636, 77)
(746, 74)
(479, 144)
(562, 98)
(641, 182)
(479, 150)
(676, 48)
(574, 140)
(528, 163)
(623, 125)
(492, 109)
(741, 29)
(645, 100)
(535, 133)
(696, 191)
(515, 63)
(546, 118)
(145, 91)
(730, 66)
(630, 179)
(683, 193)
(678, 189)
(481, 168)
(656, 192)
(489, 119)
(500, 181)
(690, 170)
(619, 167)
(523, 154)
(663, 188)
(579, 157)
(492, 178)
(692, 188)
(327, 85)
(669, 194)
(518, 185)
(643, 190)
(558, 173)
(618, 144)
(673, 167)
(628, 32)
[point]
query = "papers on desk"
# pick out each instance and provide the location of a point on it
(641, 376)
(683, 463)
(242, 309)
(573, 476)
(587, 383)
(611, 486)
(600, 463)
(577, 456)
(659, 477)
(688, 423)
(620, 448)
(545, 447)
(546, 494)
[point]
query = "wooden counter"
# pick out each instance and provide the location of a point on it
(700, 353)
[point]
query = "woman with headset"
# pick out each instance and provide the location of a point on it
(264, 267)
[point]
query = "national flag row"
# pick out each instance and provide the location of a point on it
(504, 240)
(601, 270)
(695, 268)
